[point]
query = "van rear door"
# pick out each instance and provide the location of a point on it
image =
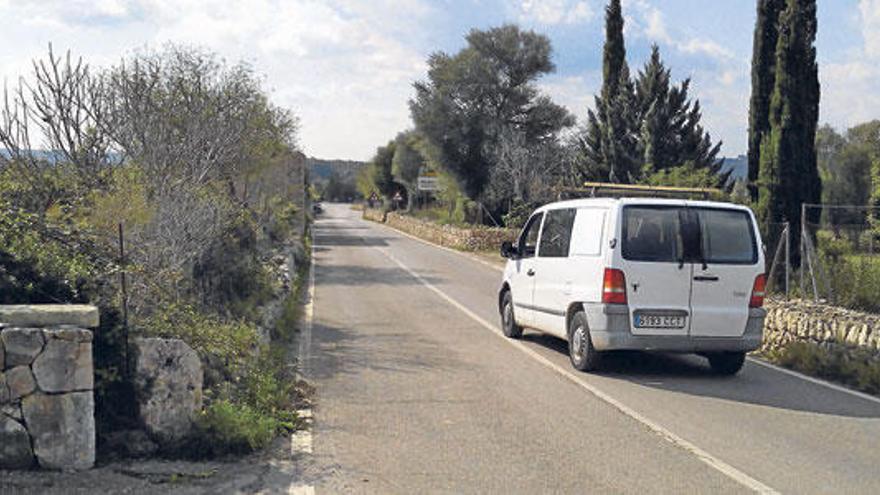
(725, 273)
(658, 273)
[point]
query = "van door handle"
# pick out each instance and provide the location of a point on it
(530, 272)
(706, 278)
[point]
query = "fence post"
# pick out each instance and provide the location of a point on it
(801, 242)
(787, 233)
(124, 298)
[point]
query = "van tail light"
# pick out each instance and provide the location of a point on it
(614, 287)
(758, 291)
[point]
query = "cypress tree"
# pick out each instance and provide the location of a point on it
(763, 78)
(613, 53)
(789, 175)
(608, 137)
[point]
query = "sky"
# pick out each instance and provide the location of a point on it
(346, 67)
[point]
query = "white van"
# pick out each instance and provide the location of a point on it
(638, 274)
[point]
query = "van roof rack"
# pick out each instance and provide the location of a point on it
(608, 190)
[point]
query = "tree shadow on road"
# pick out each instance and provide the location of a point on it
(329, 240)
(690, 374)
(364, 276)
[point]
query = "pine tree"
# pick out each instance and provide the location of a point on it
(763, 77)
(670, 132)
(644, 126)
(789, 175)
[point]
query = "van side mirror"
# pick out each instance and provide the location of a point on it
(508, 251)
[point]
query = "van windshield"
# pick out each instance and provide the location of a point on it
(669, 234)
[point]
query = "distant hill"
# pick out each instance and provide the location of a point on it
(739, 166)
(322, 169)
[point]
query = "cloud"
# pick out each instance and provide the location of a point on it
(345, 68)
(849, 86)
(650, 23)
(574, 92)
(870, 15)
(555, 12)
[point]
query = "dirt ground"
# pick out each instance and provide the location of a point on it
(271, 471)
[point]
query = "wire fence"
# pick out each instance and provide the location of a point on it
(835, 259)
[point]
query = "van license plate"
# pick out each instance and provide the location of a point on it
(659, 321)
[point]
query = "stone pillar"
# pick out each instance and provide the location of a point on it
(47, 408)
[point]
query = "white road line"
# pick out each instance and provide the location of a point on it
(301, 440)
(301, 490)
(817, 381)
(707, 458)
(756, 360)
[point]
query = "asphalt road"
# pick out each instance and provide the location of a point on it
(417, 392)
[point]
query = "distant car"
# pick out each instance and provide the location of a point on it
(317, 208)
(638, 274)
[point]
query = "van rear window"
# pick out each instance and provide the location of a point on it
(652, 233)
(727, 236)
(713, 235)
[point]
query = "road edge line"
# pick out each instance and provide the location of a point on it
(815, 380)
(707, 458)
(754, 359)
(301, 442)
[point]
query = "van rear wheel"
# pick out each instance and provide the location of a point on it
(508, 321)
(583, 356)
(726, 363)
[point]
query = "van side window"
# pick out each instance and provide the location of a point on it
(652, 233)
(556, 235)
(528, 240)
(586, 235)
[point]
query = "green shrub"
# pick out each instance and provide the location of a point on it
(855, 280)
(216, 341)
(227, 427)
(518, 214)
(857, 368)
(269, 387)
(283, 220)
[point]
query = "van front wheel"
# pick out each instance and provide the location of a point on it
(508, 320)
(726, 363)
(584, 357)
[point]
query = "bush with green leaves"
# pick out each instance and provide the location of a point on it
(858, 368)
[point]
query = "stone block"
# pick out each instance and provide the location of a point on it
(168, 382)
(21, 345)
(49, 315)
(4, 389)
(11, 411)
(15, 445)
(20, 381)
(62, 428)
(64, 366)
(71, 334)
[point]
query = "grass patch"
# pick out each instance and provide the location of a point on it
(229, 427)
(855, 368)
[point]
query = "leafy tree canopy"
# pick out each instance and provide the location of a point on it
(470, 95)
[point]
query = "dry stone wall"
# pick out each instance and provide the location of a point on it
(476, 238)
(374, 215)
(47, 387)
(821, 324)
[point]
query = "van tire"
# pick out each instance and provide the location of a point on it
(508, 321)
(726, 363)
(583, 356)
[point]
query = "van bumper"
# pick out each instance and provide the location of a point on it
(610, 331)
